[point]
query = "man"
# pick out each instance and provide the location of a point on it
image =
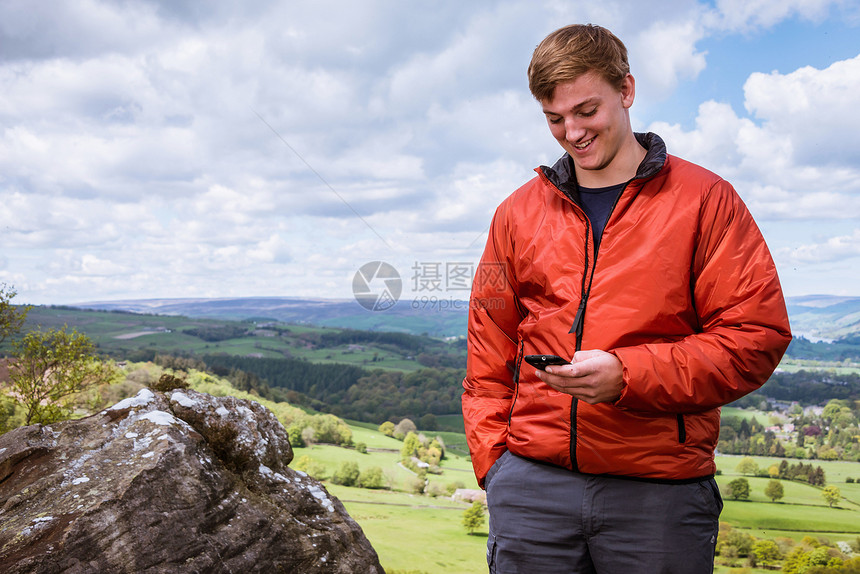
(650, 276)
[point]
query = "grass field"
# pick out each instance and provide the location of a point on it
(416, 533)
(761, 416)
(793, 365)
(835, 471)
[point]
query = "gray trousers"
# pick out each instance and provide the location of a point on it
(548, 519)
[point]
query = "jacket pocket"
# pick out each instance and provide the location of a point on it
(682, 430)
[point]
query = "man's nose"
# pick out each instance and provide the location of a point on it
(573, 130)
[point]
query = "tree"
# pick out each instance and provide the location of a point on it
(10, 415)
(473, 517)
(411, 445)
(308, 436)
(747, 466)
(294, 433)
(427, 422)
(832, 410)
(831, 495)
(387, 428)
(734, 543)
(739, 488)
(796, 561)
(50, 368)
(403, 428)
(11, 318)
(774, 490)
(766, 552)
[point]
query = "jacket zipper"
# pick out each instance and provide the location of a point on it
(579, 319)
(682, 429)
(576, 329)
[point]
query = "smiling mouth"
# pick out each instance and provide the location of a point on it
(584, 144)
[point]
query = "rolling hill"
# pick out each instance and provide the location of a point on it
(815, 317)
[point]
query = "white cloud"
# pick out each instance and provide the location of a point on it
(815, 109)
(797, 156)
(744, 15)
(833, 249)
(133, 161)
(665, 53)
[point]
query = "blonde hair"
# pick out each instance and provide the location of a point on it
(572, 51)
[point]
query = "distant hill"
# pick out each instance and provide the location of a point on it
(413, 317)
(816, 317)
(824, 317)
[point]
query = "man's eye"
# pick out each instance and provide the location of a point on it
(589, 113)
(555, 120)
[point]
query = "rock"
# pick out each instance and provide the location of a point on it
(178, 482)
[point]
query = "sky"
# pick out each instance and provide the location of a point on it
(181, 149)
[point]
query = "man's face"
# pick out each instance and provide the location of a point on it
(589, 118)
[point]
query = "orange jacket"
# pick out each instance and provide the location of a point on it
(683, 291)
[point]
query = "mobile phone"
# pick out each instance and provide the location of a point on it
(543, 361)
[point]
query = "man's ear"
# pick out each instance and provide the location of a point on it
(628, 90)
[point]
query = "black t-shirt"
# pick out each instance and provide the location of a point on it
(597, 203)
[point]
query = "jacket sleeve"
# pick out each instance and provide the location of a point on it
(494, 316)
(743, 326)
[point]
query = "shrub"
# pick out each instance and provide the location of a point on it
(371, 478)
(734, 543)
(452, 487)
(435, 489)
(310, 467)
(416, 485)
(167, 382)
(347, 474)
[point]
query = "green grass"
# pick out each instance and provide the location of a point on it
(761, 416)
(369, 434)
(762, 517)
(836, 472)
(415, 533)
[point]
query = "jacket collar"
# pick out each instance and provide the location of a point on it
(563, 176)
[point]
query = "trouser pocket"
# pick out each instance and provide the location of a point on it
(491, 554)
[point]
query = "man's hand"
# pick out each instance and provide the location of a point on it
(593, 376)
